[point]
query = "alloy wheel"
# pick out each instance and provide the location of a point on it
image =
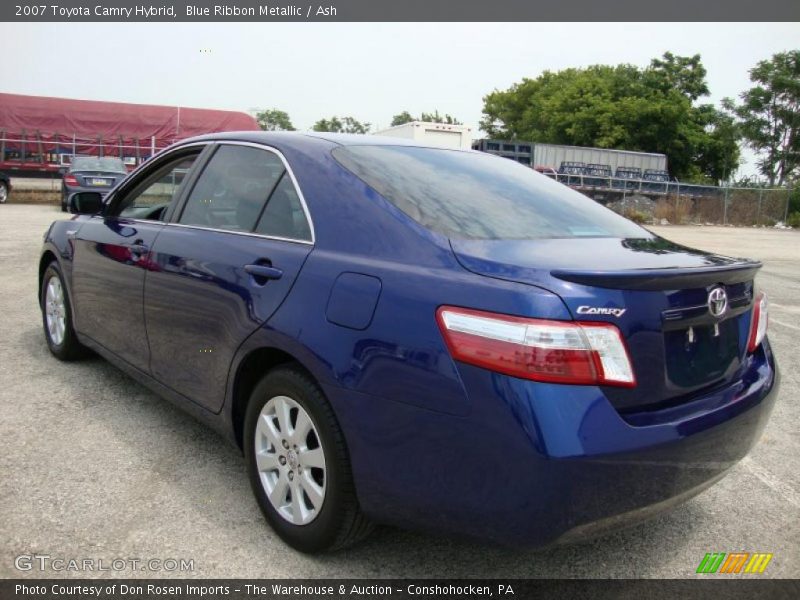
(290, 460)
(55, 311)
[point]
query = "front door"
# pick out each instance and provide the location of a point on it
(113, 253)
(225, 264)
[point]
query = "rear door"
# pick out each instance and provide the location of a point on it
(113, 253)
(225, 264)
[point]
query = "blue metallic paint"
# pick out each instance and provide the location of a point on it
(353, 299)
(545, 459)
(434, 444)
(108, 273)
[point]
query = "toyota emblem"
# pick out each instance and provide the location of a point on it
(717, 302)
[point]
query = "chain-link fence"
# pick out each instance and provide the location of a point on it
(678, 203)
(728, 206)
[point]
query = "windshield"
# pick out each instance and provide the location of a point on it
(480, 196)
(94, 163)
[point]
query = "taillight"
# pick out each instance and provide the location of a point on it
(538, 349)
(759, 322)
(71, 180)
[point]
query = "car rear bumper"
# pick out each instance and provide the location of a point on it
(536, 463)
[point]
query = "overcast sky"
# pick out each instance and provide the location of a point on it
(369, 71)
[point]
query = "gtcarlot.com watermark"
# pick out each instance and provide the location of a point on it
(45, 562)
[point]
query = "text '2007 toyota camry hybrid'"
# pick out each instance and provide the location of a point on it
(430, 338)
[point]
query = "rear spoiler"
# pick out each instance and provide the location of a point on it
(663, 279)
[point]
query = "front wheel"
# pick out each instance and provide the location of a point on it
(298, 464)
(57, 316)
(3, 192)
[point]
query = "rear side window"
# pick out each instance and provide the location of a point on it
(480, 196)
(284, 216)
(233, 189)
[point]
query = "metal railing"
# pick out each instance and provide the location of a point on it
(646, 186)
(49, 150)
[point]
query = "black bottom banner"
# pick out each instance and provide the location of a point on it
(405, 589)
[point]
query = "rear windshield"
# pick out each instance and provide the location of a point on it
(93, 163)
(480, 196)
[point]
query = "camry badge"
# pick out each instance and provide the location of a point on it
(717, 302)
(601, 310)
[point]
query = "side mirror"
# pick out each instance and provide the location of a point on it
(86, 203)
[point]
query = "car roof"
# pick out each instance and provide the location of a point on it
(304, 139)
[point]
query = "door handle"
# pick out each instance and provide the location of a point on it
(263, 272)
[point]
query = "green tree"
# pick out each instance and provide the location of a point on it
(402, 118)
(434, 117)
(769, 116)
(683, 73)
(622, 107)
(717, 148)
(333, 124)
(273, 119)
(341, 125)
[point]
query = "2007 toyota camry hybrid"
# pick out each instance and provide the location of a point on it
(431, 338)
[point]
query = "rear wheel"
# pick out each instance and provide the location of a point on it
(3, 192)
(57, 316)
(298, 464)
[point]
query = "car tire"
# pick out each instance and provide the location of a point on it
(3, 192)
(64, 203)
(337, 521)
(57, 316)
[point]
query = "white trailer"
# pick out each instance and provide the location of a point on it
(552, 155)
(432, 134)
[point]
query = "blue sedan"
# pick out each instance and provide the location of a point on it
(430, 338)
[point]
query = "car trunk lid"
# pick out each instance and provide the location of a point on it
(655, 291)
(98, 179)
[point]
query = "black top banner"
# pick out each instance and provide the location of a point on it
(399, 10)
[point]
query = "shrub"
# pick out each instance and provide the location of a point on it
(674, 210)
(794, 220)
(639, 217)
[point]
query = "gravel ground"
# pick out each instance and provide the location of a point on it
(93, 465)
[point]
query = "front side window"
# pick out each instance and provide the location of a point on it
(480, 196)
(150, 199)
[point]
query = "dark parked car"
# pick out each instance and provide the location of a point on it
(91, 173)
(5, 187)
(430, 338)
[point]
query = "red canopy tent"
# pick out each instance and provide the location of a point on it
(42, 133)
